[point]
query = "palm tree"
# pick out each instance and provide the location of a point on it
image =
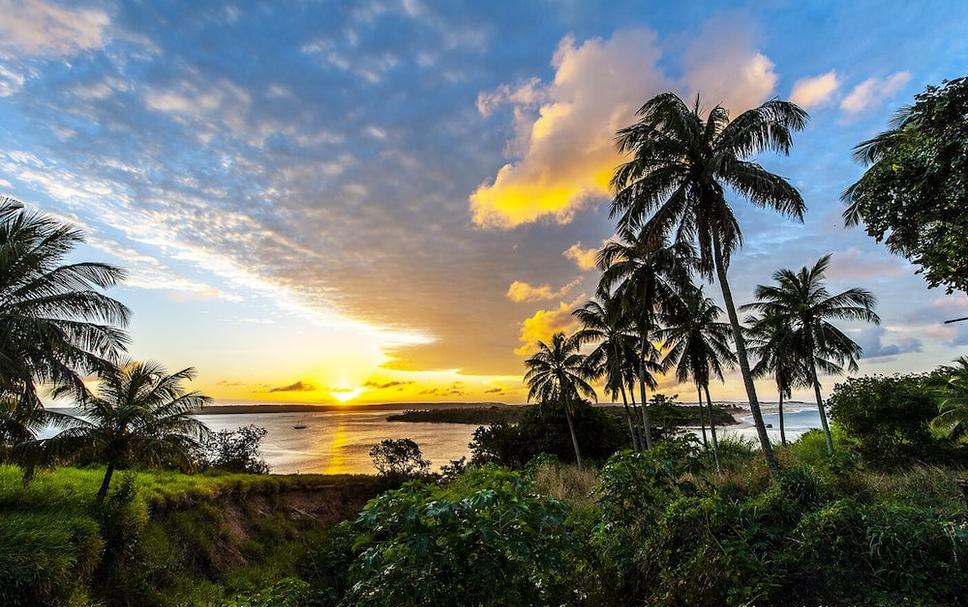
(647, 279)
(698, 345)
(953, 416)
(557, 372)
(55, 325)
(675, 183)
(140, 414)
(802, 302)
(773, 343)
(604, 323)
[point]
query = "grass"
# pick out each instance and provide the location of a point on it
(166, 543)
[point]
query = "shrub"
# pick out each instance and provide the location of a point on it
(236, 451)
(399, 458)
(544, 429)
(486, 539)
(888, 416)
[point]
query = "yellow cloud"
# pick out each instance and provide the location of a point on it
(585, 259)
(541, 325)
(520, 291)
(815, 91)
(563, 149)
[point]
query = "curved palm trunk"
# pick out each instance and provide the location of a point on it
(712, 429)
(574, 437)
(744, 363)
(635, 412)
(646, 425)
(105, 484)
(702, 419)
(782, 429)
(628, 418)
(820, 407)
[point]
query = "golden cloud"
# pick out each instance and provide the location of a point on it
(520, 291)
(541, 325)
(585, 259)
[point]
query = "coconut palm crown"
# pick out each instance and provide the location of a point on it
(681, 165)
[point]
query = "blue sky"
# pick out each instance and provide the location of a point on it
(391, 200)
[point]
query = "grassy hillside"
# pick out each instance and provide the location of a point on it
(163, 538)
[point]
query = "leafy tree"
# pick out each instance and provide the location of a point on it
(55, 325)
(675, 183)
(140, 414)
(647, 279)
(557, 372)
(953, 415)
(399, 457)
(887, 415)
(773, 342)
(801, 301)
(236, 450)
(697, 343)
(914, 194)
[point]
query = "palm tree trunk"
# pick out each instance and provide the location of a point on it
(105, 484)
(702, 420)
(635, 413)
(646, 426)
(744, 363)
(820, 407)
(574, 437)
(782, 429)
(712, 429)
(628, 418)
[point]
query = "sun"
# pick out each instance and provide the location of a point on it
(346, 394)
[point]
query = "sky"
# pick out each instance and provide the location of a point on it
(392, 200)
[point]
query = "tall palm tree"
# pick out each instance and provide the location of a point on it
(55, 325)
(676, 180)
(773, 343)
(647, 278)
(605, 324)
(140, 414)
(953, 416)
(558, 373)
(698, 344)
(801, 301)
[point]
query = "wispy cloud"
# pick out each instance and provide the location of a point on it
(873, 92)
(299, 386)
(815, 91)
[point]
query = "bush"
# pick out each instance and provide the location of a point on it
(236, 451)
(399, 458)
(888, 417)
(486, 539)
(544, 429)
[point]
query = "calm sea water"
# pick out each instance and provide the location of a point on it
(338, 442)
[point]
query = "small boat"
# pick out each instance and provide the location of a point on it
(301, 425)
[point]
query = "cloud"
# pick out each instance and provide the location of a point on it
(299, 386)
(854, 264)
(10, 81)
(585, 259)
(815, 91)
(563, 151)
(872, 338)
(39, 28)
(723, 67)
(873, 92)
(494, 391)
(520, 292)
(541, 325)
(376, 385)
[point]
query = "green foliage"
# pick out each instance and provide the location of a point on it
(914, 196)
(399, 458)
(235, 450)
(544, 429)
(888, 416)
(486, 539)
